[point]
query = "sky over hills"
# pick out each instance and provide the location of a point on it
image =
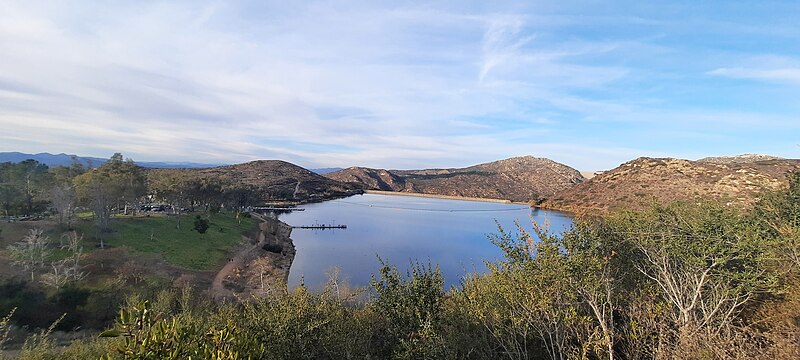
(400, 84)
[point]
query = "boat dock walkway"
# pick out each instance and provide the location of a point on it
(320, 227)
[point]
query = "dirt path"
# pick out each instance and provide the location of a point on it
(239, 260)
(218, 289)
(296, 190)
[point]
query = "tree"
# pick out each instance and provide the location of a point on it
(117, 183)
(10, 195)
(98, 191)
(62, 198)
(32, 251)
(705, 261)
(413, 307)
(528, 303)
(593, 272)
(69, 269)
(170, 186)
(36, 181)
(23, 186)
(778, 215)
(200, 224)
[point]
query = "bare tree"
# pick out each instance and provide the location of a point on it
(32, 251)
(62, 197)
(69, 269)
(57, 276)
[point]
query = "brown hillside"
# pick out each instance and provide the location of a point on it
(372, 179)
(272, 179)
(516, 179)
(636, 183)
(739, 159)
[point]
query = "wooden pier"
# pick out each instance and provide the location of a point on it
(320, 227)
(277, 209)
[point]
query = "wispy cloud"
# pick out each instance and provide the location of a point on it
(786, 75)
(340, 84)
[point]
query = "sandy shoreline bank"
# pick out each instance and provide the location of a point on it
(448, 197)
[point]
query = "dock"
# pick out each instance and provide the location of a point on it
(320, 227)
(277, 209)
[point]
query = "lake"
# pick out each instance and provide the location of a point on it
(399, 229)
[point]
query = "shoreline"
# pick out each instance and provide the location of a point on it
(447, 197)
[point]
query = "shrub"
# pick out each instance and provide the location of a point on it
(201, 224)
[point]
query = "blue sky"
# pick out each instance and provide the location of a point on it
(400, 84)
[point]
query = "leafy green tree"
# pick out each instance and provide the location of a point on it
(23, 186)
(117, 183)
(528, 303)
(594, 270)
(10, 194)
(706, 261)
(200, 224)
(778, 215)
(413, 306)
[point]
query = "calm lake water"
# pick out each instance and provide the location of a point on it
(400, 229)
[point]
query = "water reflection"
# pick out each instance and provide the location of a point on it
(399, 229)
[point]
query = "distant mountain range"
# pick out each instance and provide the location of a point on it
(66, 160)
(520, 179)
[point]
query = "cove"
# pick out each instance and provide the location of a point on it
(399, 229)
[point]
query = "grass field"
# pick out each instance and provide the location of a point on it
(182, 247)
(157, 234)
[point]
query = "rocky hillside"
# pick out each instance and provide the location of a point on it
(271, 179)
(372, 179)
(739, 159)
(517, 179)
(636, 183)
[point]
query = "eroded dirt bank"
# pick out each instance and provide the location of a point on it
(259, 268)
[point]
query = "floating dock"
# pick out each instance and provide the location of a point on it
(320, 227)
(277, 209)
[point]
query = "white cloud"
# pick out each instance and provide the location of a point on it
(786, 75)
(320, 83)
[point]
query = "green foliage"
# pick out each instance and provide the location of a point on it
(23, 186)
(413, 308)
(181, 246)
(117, 183)
(5, 328)
(676, 281)
(778, 217)
(200, 224)
(303, 325)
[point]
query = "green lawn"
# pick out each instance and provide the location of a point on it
(157, 234)
(182, 247)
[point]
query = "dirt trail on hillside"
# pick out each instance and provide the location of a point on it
(218, 289)
(240, 272)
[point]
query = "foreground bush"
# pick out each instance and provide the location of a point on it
(683, 281)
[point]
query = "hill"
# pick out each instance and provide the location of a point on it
(635, 183)
(739, 159)
(270, 179)
(66, 160)
(516, 179)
